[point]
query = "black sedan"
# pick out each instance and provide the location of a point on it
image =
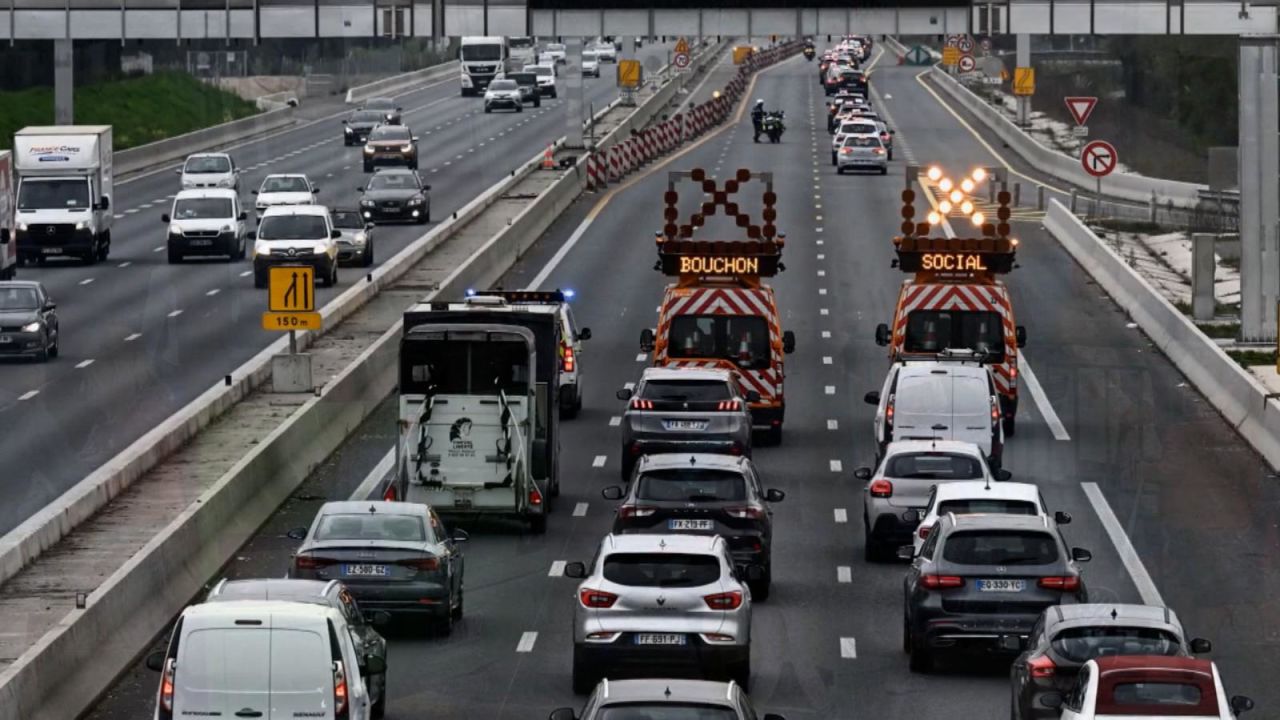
(395, 194)
(387, 107)
(28, 320)
(359, 125)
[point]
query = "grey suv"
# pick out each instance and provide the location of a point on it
(685, 410)
(661, 698)
(981, 581)
(660, 603)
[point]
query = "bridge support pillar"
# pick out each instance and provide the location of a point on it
(1022, 57)
(1259, 187)
(572, 78)
(63, 85)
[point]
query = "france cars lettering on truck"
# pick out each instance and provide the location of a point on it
(64, 188)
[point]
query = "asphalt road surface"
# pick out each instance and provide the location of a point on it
(1174, 506)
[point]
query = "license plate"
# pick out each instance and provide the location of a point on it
(689, 524)
(200, 243)
(51, 251)
(1002, 585)
(685, 424)
(365, 570)
(659, 639)
(462, 497)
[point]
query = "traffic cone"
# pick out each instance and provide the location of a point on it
(548, 161)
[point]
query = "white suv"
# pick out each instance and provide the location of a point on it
(296, 235)
(658, 602)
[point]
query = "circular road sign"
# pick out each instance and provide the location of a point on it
(681, 60)
(1098, 158)
(965, 44)
(967, 63)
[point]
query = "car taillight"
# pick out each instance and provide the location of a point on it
(311, 562)
(941, 582)
(923, 532)
(596, 598)
(166, 688)
(639, 404)
(845, 151)
(884, 136)
(1065, 583)
(746, 512)
(535, 497)
(636, 511)
(429, 564)
(724, 601)
(567, 362)
(735, 449)
(995, 413)
(1041, 667)
(339, 691)
(729, 405)
(877, 151)
(888, 412)
(390, 494)
(881, 488)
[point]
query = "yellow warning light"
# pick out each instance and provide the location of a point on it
(945, 207)
(1013, 241)
(966, 207)
(716, 95)
(956, 196)
(978, 219)
(945, 185)
(934, 218)
(934, 173)
(966, 185)
(979, 175)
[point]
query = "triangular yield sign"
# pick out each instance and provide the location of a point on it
(1081, 108)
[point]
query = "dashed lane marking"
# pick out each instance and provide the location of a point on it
(642, 357)
(526, 642)
(833, 424)
(629, 386)
(842, 516)
(615, 421)
(580, 510)
(175, 313)
(826, 360)
(848, 648)
(836, 465)
(599, 461)
(213, 292)
(132, 336)
(824, 311)
(158, 249)
(826, 334)
(557, 569)
(829, 390)
(84, 364)
(86, 281)
(822, 273)
(28, 394)
(844, 574)
(1129, 556)
(822, 291)
(246, 273)
(125, 264)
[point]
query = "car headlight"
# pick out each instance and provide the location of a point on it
(368, 149)
(261, 248)
(367, 203)
(360, 238)
(175, 230)
(347, 130)
(406, 148)
(22, 227)
(226, 182)
(31, 327)
(415, 200)
(82, 224)
(226, 229)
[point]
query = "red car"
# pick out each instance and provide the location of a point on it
(1152, 687)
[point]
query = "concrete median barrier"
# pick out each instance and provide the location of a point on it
(396, 83)
(1236, 394)
(178, 147)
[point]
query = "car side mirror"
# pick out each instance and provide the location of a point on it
(862, 473)
(335, 234)
(155, 661)
(360, 189)
(906, 552)
(646, 340)
(344, 122)
(427, 188)
(415, 138)
(1081, 555)
(1003, 475)
(51, 305)
(178, 171)
(315, 190)
(399, 109)
(375, 664)
(166, 219)
(788, 342)
(753, 396)
(104, 203)
(584, 334)
(242, 216)
(459, 535)
(562, 714)
(253, 192)
(872, 398)
(893, 132)
(911, 516)
(613, 492)
(253, 235)
(1052, 700)
(377, 618)
(297, 534)
(625, 394)
(1062, 518)
(882, 334)
(1241, 704)
(575, 570)
(773, 495)
(773, 716)
(1020, 335)
(1199, 646)
(368, 226)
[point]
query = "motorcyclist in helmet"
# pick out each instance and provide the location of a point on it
(757, 119)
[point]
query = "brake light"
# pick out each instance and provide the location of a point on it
(735, 449)
(596, 598)
(535, 497)
(1013, 373)
(923, 532)
(1041, 667)
(429, 564)
(567, 362)
(881, 488)
(995, 413)
(845, 151)
(746, 512)
(390, 494)
(636, 511)
(941, 582)
(166, 687)
(884, 136)
(339, 690)
(1065, 583)
(888, 412)
(311, 562)
(729, 405)
(724, 601)
(639, 404)
(877, 151)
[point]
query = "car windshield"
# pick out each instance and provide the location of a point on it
(691, 485)
(862, 141)
(293, 227)
(18, 298)
(286, 183)
(543, 71)
(371, 526)
(1000, 547)
(380, 104)
(201, 208)
(1154, 695)
(933, 466)
(665, 711)
(366, 116)
(347, 219)
(392, 181)
(972, 506)
(50, 194)
(686, 390)
(858, 129)
(744, 339)
(524, 78)
(555, 47)
(931, 331)
(207, 164)
(661, 569)
(390, 132)
(502, 85)
(588, 56)
(1082, 644)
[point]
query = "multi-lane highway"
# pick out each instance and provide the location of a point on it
(1174, 506)
(141, 338)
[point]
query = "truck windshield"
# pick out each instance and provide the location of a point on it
(931, 331)
(201, 208)
(481, 53)
(743, 339)
(519, 43)
(456, 365)
(293, 227)
(48, 194)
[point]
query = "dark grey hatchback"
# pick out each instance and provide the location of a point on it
(980, 583)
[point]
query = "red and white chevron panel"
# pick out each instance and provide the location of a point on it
(938, 296)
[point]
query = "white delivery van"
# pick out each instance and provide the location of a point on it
(262, 659)
(8, 243)
(64, 183)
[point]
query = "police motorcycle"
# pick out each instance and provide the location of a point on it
(773, 126)
(808, 52)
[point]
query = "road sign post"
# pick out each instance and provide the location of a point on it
(1098, 158)
(291, 305)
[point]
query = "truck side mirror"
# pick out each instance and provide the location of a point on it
(155, 661)
(253, 192)
(253, 235)
(1020, 335)
(788, 342)
(646, 340)
(882, 334)
(335, 234)
(242, 216)
(315, 190)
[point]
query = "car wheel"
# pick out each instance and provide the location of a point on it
(368, 167)
(555, 93)
(906, 636)
(487, 109)
(260, 279)
(1010, 424)
(244, 249)
(760, 589)
(43, 354)
(104, 246)
(538, 524)
(537, 103)
(367, 259)
(773, 435)
(175, 257)
(741, 674)
(379, 708)
(53, 349)
(884, 171)
(833, 157)
(584, 677)
(520, 108)
(871, 550)
(457, 609)
(333, 275)
(890, 153)
(444, 624)
(839, 170)
(921, 660)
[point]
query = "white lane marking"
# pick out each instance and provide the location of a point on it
(86, 281)
(844, 574)
(830, 390)
(246, 273)
(824, 311)
(175, 313)
(848, 648)
(132, 336)
(615, 421)
(599, 461)
(822, 291)
(822, 256)
(144, 206)
(117, 216)
(526, 642)
(817, 229)
(1137, 571)
(160, 201)
(629, 386)
(642, 357)
(213, 292)
(130, 211)
(826, 360)
(84, 364)
(822, 273)
(842, 516)
(818, 242)
(580, 510)
(826, 333)
(375, 476)
(1042, 401)
(158, 249)
(836, 466)
(28, 394)
(557, 569)
(833, 424)
(125, 264)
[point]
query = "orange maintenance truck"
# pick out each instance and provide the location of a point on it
(954, 298)
(718, 313)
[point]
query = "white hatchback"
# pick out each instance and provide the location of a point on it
(968, 497)
(282, 189)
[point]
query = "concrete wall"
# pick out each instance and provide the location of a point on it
(397, 83)
(174, 148)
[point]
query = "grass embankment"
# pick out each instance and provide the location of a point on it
(141, 110)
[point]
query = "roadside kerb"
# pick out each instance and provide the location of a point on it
(360, 93)
(1241, 399)
(125, 610)
(164, 151)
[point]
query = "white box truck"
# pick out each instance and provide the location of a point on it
(8, 243)
(482, 58)
(64, 192)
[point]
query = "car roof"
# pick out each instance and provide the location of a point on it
(676, 543)
(290, 589)
(372, 507)
(713, 461)
(320, 210)
(691, 374)
(982, 490)
(232, 610)
(1118, 613)
(664, 690)
(395, 171)
(225, 193)
(20, 283)
(285, 175)
(1113, 663)
(209, 154)
(996, 521)
(918, 368)
(958, 447)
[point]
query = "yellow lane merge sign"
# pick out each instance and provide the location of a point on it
(630, 74)
(950, 55)
(292, 288)
(1024, 81)
(292, 321)
(682, 46)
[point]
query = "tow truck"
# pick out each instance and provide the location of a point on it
(718, 313)
(478, 411)
(954, 297)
